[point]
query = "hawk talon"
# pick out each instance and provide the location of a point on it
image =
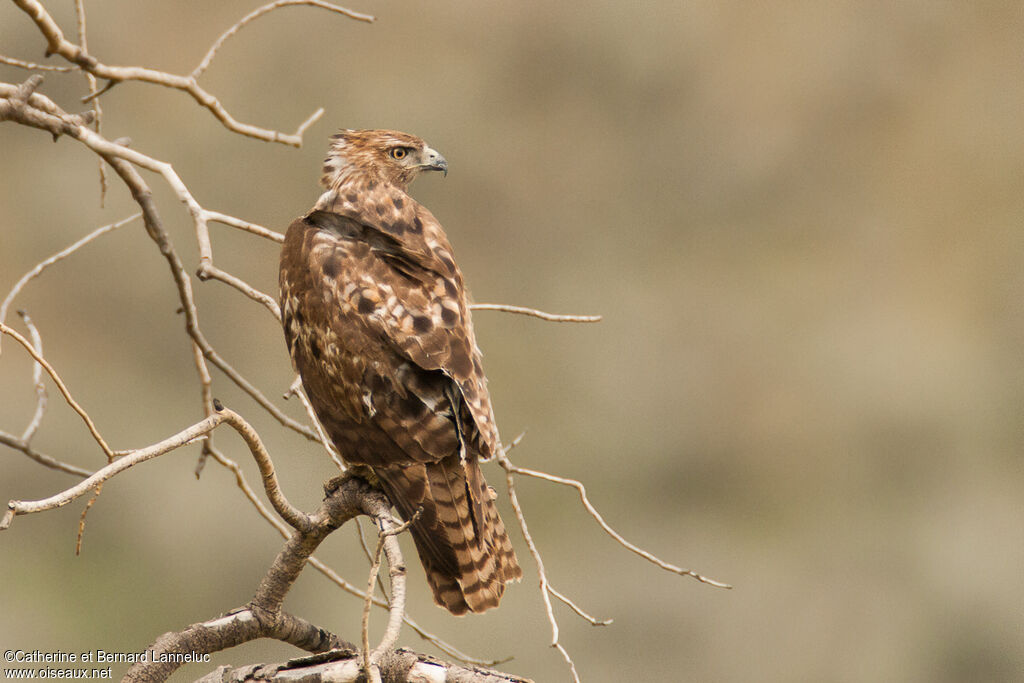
(360, 472)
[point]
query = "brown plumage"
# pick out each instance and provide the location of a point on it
(378, 325)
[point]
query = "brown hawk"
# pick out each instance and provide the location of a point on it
(378, 325)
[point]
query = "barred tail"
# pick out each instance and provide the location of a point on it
(459, 535)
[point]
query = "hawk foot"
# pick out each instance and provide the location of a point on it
(354, 472)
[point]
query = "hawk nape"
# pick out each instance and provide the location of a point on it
(377, 321)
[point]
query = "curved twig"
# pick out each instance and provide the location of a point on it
(59, 256)
(509, 467)
(266, 9)
(533, 312)
(77, 55)
(37, 380)
(38, 358)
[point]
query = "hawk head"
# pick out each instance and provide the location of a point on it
(378, 155)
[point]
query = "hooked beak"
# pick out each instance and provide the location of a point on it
(433, 161)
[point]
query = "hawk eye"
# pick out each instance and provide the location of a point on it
(399, 153)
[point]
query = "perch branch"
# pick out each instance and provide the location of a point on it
(262, 616)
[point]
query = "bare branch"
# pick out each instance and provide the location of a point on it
(594, 621)
(248, 491)
(21, 507)
(11, 61)
(76, 54)
(216, 216)
(59, 256)
(522, 310)
(81, 518)
(266, 9)
(290, 514)
(93, 92)
(263, 617)
(296, 389)
(295, 517)
(4, 329)
(215, 273)
(37, 380)
(541, 573)
(509, 467)
(432, 638)
(385, 542)
(41, 458)
(22, 105)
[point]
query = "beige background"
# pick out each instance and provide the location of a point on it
(801, 222)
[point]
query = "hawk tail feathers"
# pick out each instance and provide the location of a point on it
(460, 538)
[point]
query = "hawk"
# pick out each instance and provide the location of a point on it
(378, 325)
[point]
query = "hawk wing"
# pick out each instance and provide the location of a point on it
(429, 319)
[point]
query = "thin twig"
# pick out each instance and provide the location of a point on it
(206, 396)
(369, 667)
(432, 638)
(93, 94)
(594, 621)
(37, 380)
(60, 255)
(218, 217)
(541, 573)
(296, 389)
(249, 492)
(396, 612)
(522, 310)
(60, 385)
(41, 458)
(568, 660)
(266, 9)
(20, 507)
(369, 558)
(11, 61)
(215, 273)
(81, 519)
(507, 464)
(122, 158)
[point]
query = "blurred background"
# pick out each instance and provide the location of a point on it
(800, 221)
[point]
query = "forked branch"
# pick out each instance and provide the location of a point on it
(78, 56)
